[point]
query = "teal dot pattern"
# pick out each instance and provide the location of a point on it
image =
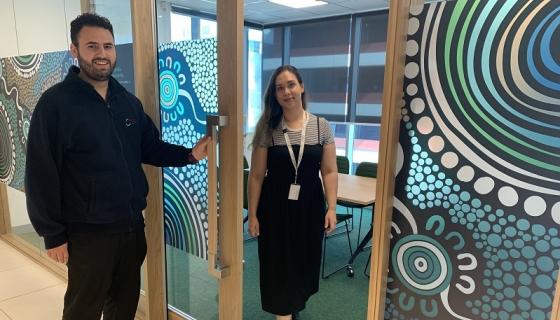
(22, 81)
(501, 255)
(188, 92)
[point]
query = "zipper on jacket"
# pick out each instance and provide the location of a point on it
(119, 141)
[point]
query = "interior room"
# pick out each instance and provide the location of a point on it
(444, 119)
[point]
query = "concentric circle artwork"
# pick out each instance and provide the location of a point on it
(188, 92)
(22, 81)
(26, 66)
(7, 147)
(476, 216)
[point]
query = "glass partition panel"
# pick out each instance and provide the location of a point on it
(188, 92)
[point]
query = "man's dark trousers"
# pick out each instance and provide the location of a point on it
(104, 275)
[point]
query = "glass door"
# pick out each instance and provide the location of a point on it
(202, 250)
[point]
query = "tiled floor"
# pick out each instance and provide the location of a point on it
(28, 291)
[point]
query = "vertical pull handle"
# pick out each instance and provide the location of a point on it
(215, 269)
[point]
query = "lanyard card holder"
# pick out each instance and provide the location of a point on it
(294, 191)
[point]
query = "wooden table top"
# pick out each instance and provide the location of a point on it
(356, 189)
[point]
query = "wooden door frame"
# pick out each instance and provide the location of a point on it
(230, 100)
(147, 90)
(5, 222)
(390, 125)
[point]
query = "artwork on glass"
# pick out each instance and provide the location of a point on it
(475, 231)
(188, 92)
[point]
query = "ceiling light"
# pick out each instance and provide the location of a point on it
(299, 3)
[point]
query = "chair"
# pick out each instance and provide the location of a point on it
(245, 163)
(245, 195)
(364, 169)
(245, 181)
(343, 166)
(340, 218)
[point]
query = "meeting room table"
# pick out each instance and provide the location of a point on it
(361, 191)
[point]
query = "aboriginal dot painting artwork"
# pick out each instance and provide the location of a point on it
(476, 221)
(22, 81)
(188, 92)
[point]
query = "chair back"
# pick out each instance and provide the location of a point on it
(245, 196)
(245, 163)
(343, 164)
(367, 169)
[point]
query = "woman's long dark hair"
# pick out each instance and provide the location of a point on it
(272, 114)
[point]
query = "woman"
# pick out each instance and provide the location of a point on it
(286, 200)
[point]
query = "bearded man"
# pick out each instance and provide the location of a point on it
(84, 181)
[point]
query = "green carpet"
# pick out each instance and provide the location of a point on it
(339, 296)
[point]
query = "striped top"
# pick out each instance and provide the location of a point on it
(318, 131)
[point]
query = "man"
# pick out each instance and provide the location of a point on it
(84, 182)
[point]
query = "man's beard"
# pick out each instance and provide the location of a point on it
(91, 72)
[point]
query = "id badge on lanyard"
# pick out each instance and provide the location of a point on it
(294, 191)
(293, 194)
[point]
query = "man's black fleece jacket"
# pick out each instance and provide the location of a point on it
(83, 170)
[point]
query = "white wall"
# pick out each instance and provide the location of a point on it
(35, 26)
(17, 207)
(7, 29)
(28, 27)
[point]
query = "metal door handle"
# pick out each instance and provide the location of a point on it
(215, 268)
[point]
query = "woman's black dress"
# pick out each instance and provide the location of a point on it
(291, 231)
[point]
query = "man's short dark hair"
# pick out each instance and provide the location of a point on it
(88, 20)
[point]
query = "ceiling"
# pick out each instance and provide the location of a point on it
(264, 12)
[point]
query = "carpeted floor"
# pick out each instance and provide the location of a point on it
(339, 296)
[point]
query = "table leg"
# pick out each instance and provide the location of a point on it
(365, 240)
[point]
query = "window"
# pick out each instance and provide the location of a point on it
(180, 27)
(320, 50)
(254, 82)
(371, 68)
(271, 53)
(340, 133)
(208, 29)
(365, 143)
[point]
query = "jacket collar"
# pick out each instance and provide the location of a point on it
(73, 77)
